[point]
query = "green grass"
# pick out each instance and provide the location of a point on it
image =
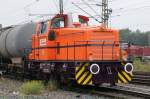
(141, 66)
(52, 85)
(32, 87)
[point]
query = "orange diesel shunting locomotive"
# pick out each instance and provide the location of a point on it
(93, 54)
(52, 42)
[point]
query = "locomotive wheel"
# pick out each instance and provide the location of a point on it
(113, 84)
(62, 79)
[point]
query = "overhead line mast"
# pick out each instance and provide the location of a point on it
(105, 12)
(61, 6)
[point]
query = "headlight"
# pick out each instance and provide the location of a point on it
(94, 69)
(128, 68)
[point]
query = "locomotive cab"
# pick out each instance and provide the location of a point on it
(47, 32)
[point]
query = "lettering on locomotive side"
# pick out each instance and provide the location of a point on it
(43, 42)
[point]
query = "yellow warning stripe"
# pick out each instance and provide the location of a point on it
(83, 76)
(88, 78)
(86, 64)
(123, 63)
(119, 81)
(122, 78)
(131, 74)
(90, 82)
(126, 75)
(80, 72)
(81, 79)
(77, 68)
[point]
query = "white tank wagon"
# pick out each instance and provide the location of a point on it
(14, 39)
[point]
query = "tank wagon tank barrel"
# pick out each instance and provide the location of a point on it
(14, 39)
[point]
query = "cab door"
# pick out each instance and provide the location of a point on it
(46, 48)
(57, 26)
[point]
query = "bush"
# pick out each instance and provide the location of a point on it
(32, 87)
(141, 66)
(52, 85)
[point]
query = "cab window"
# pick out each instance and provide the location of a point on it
(58, 23)
(43, 28)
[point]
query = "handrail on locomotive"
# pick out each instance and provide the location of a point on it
(97, 43)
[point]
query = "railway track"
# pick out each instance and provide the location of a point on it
(132, 90)
(142, 78)
(139, 87)
(119, 91)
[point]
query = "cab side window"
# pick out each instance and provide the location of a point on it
(43, 28)
(58, 23)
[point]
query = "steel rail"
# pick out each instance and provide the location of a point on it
(107, 91)
(141, 78)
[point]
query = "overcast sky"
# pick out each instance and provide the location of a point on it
(133, 14)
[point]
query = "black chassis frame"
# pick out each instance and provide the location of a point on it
(65, 70)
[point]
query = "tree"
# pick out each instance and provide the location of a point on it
(136, 37)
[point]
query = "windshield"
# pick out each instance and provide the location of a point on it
(58, 23)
